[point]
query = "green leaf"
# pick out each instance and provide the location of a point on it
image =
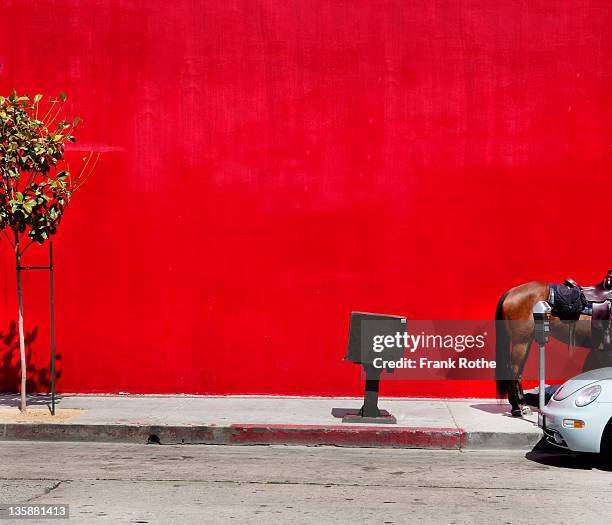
(62, 96)
(28, 147)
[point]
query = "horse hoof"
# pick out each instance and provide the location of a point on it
(517, 412)
(526, 411)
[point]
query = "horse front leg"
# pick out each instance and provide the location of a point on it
(520, 351)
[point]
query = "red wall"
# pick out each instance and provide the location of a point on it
(269, 166)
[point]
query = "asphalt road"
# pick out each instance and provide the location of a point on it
(194, 484)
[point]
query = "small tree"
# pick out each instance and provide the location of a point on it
(35, 181)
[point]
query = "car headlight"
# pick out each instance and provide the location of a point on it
(587, 395)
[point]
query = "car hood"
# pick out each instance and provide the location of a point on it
(586, 378)
(598, 374)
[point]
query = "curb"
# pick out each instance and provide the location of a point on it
(262, 434)
(502, 440)
(354, 436)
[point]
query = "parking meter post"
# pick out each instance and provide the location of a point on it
(370, 398)
(542, 393)
(541, 317)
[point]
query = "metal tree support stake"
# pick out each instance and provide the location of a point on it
(52, 314)
(541, 316)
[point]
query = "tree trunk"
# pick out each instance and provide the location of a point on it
(22, 353)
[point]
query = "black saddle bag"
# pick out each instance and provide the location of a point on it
(569, 302)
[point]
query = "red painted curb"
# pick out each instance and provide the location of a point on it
(345, 436)
(244, 434)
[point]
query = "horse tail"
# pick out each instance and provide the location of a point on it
(502, 351)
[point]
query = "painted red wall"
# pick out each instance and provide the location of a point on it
(269, 166)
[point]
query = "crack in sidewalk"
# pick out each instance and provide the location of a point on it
(282, 482)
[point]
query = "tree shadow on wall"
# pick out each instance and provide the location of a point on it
(38, 378)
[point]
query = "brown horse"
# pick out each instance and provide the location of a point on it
(515, 334)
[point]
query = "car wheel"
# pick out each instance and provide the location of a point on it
(606, 443)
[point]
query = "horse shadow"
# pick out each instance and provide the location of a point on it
(38, 378)
(503, 410)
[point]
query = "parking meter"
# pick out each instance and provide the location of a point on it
(541, 317)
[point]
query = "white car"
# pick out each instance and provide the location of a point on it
(578, 417)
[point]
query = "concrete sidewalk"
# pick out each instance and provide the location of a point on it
(421, 423)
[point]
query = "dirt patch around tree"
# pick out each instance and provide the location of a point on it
(36, 415)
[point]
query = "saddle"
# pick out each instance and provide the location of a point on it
(599, 299)
(598, 293)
